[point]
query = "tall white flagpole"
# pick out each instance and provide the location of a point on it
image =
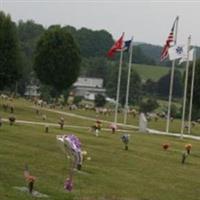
(118, 86)
(128, 80)
(185, 88)
(191, 91)
(171, 80)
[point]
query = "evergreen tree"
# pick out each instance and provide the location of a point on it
(10, 59)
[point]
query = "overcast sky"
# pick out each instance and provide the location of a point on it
(148, 21)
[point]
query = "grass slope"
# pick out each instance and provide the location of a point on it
(150, 71)
(24, 111)
(144, 172)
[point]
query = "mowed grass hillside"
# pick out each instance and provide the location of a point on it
(26, 110)
(151, 72)
(144, 172)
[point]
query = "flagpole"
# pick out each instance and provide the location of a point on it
(118, 86)
(171, 81)
(185, 89)
(191, 92)
(128, 81)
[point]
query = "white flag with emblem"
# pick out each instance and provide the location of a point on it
(177, 51)
(184, 58)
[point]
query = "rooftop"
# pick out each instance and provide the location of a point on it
(89, 82)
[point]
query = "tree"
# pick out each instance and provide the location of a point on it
(196, 94)
(163, 85)
(149, 105)
(100, 100)
(95, 67)
(77, 100)
(57, 59)
(10, 59)
(93, 43)
(135, 85)
(150, 87)
(29, 33)
(174, 110)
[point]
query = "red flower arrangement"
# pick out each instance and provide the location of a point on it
(188, 148)
(165, 146)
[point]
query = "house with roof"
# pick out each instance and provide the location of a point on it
(88, 87)
(32, 91)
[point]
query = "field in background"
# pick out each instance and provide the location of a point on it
(151, 72)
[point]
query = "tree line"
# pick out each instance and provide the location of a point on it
(55, 56)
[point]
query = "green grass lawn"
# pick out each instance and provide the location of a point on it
(150, 71)
(24, 111)
(144, 172)
(175, 126)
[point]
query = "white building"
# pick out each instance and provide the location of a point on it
(32, 91)
(88, 87)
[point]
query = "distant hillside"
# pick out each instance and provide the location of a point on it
(151, 72)
(153, 52)
(93, 45)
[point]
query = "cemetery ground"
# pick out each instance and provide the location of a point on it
(144, 172)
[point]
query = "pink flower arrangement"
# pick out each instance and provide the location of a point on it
(113, 127)
(68, 185)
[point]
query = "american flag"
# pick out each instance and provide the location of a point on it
(169, 41)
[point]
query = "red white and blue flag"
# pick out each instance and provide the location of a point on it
(169, 42)
(127, 45)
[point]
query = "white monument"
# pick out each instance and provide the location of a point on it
(142, 123)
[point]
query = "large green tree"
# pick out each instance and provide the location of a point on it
(57, 59)
(148, 105)
(10, 59)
